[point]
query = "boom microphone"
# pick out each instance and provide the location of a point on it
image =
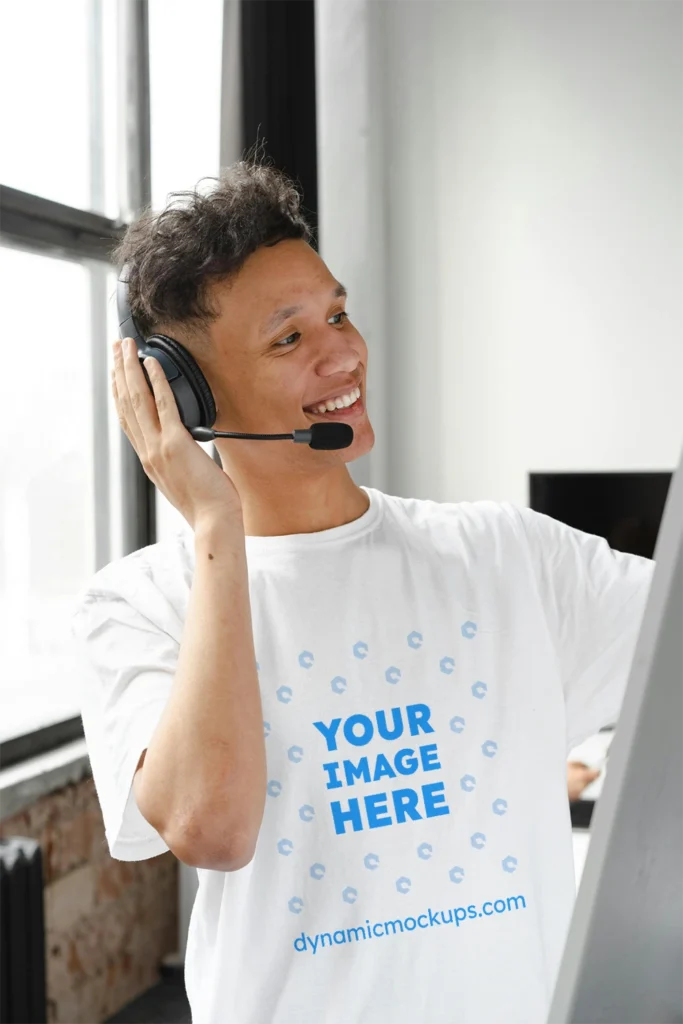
(323, 436)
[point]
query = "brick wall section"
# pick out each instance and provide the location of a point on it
(108, 922)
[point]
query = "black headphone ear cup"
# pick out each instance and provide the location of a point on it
(193, 395)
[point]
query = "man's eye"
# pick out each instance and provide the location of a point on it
(288, 340)
(291, 338)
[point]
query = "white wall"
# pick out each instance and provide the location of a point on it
(527, 162)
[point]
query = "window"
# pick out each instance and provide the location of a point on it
(60, 456)
(58, 119)
(72, 499)
(47, 519)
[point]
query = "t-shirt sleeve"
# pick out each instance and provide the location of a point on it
(593, 598)
(126, 662)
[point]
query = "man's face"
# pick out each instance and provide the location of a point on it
(282, 345)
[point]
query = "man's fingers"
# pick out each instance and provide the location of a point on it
(579, 776)
(167, 408)
(141, 398)
(124, 407)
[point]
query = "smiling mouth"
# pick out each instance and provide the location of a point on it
(353, 404)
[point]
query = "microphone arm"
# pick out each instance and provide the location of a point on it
(207, 434)
(322, 436)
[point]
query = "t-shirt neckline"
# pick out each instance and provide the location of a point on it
(306, 541)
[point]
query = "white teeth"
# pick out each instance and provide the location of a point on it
(343, 402)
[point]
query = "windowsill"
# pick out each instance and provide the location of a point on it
(23, 784)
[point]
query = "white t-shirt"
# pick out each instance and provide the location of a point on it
(424, 672)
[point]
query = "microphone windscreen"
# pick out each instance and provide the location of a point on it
(329, 436)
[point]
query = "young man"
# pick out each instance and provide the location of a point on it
(350, 711)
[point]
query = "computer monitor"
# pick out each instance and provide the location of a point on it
(623, 507)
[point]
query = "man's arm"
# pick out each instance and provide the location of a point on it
(201, 782)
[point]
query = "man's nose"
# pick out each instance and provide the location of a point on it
(337, 355)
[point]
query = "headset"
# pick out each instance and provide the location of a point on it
(196, 405)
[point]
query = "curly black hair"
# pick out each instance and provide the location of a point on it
(201, 238)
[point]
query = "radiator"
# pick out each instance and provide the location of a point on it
(22, 933)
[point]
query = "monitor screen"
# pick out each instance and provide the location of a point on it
(624, 508)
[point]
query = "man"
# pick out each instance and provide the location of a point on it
(350, 711)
